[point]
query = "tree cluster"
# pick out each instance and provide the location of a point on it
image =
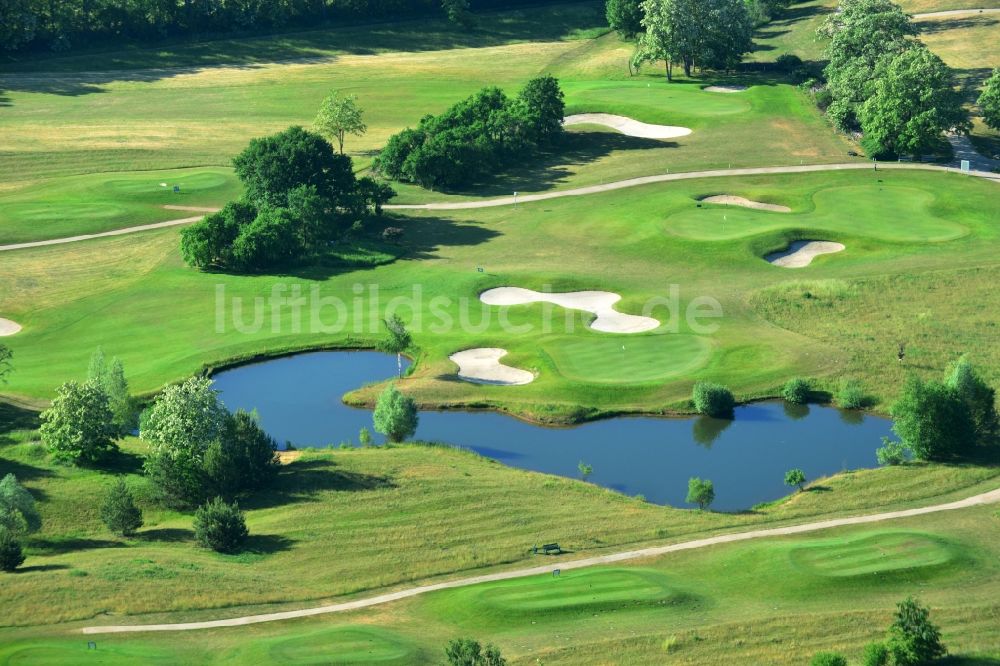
(59, 26)
(199, 450)
(949, 419)
(713, 34)
(885, 83)
(86, 418)
(18, 517)
(298, 196)
(477, 136)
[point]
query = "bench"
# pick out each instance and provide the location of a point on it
(548, 549)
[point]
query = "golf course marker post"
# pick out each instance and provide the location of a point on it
(965, 166)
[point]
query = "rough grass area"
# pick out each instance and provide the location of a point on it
(343, 522)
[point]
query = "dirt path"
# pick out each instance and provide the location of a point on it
(991, 497)
(525, 198)
(955, 12)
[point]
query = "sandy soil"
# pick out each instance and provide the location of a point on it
(8, 327)
(483, 366)
(731, 200)
(801, 253)
(991, 497)
(598, 303)
(726, 89)
(627, 126)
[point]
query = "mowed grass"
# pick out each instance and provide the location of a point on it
(345, 522)
(627, 242)
(776, 601)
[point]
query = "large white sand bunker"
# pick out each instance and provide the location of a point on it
(730, 200)
(627, 126)
(483, 366)
(8, 327)
(801, 253)
(725, 89)
(598, 303)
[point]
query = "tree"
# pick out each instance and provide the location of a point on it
(5, 366)
(338, 116)
(544, 106)
(980, 399)
(989, 100)
(119, 511)
(272, 239)
(828, 659)
(890, 453)
(700, 492)
(585, 470)
(396, 341)
(11, 555)
(457, 12)
(713, 399)
(796, 391)
(272, 166)
(913, 101)
(17, 508)
(78, 426)
(875, 654)
(913, 638)
(395, 415)
(932, 421)
(183, 421)
(624, 16)
(469, 652)
(220, 526)
(111, 379)
(209, 242)
(243, 458)
(795, 477)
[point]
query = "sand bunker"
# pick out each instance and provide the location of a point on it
(8, 327)
(598, 303)
(726, 89)
(482, 366)
(730, 200)
(801, 253)
(627, 126)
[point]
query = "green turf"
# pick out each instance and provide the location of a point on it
(900, 214)
(878, 554)
(629, 360)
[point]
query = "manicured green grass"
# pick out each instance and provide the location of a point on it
(879, 554)
(629, 359)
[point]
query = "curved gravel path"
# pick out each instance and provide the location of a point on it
(991, 497)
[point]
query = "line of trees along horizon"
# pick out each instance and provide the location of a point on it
(44, 25)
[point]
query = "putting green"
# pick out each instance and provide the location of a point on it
(572, 594)
(343, 645)
(659, 104)
(632, 361)
(146, 184)
(113, 651)
(880, 553)
(886, 212)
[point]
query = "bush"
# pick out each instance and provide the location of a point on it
(979, 398)
(395, 415)
(11, 555)
(700, 492)
(788, 62)
(220, 526)
(828, 659)
(469, 652)
(913, 638)
(890, 453)
(795, 477)
(119, 512)
(18, 513)
(713, 399)
(244, 458)
(852, 395)
(79, 427)
(933, 421)
(875, 654)
(823, 99)
(796, 391)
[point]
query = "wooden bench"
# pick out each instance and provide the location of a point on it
(548, 549)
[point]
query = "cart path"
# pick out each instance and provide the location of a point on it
(956, 12)
(526, 198)
(990, 497)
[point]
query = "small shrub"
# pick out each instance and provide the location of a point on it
(875, 654)
(891, 453)
(828, 659)
(795, 477)
(713, 399)
(119, 512)
(670, 644)
(796, 391)
(11, 556)
(220, 526)
(823, 99)
(365, 437)
(788, 62)
(852, 395)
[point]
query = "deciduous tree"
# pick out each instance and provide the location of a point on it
(395, 415)
(78, 426)
(338, 116)
(700, 492)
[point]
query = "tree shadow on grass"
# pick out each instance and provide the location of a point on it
(14, 418)
(934, 26)
(61, 546)
(267, 544)
(23, 472)
(41, 567)
(962, 660)
(166, 535)
(302, 480)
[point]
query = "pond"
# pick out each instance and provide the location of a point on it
(299, 401)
